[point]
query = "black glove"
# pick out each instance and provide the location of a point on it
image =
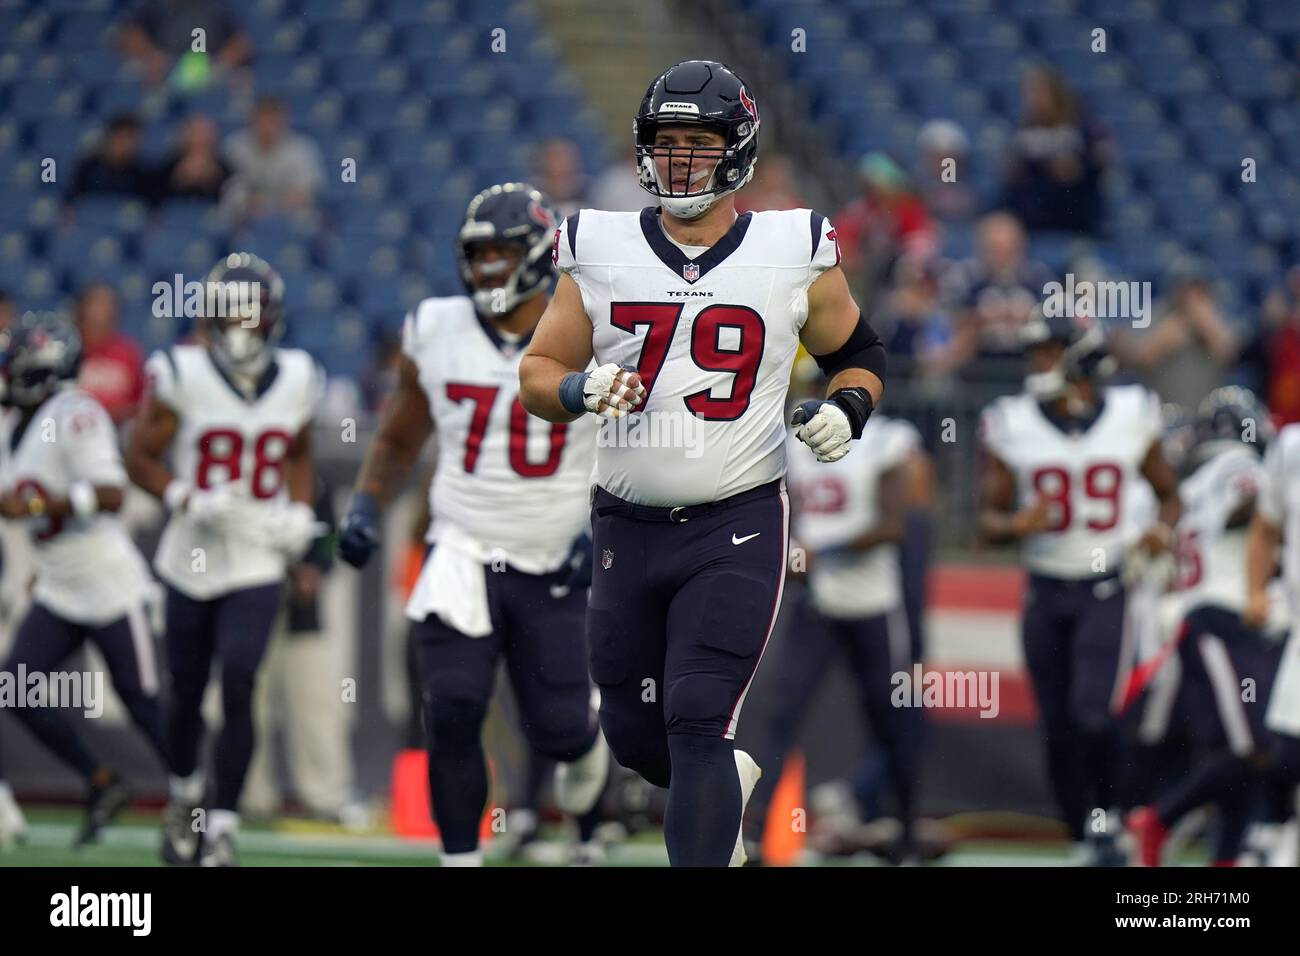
(359, 532)
(575, 573)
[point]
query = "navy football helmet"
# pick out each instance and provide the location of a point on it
(698, 93)
(38, 355)
(1229, 417)
(1085, 356)
(513, 212)
(243, 315)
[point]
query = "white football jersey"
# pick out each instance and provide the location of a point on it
(513, 483)
(1279, 504)
(86, 571)
(240, 441)
(713, 339)
(1086, 475)
(1211, 556)
(838, 501)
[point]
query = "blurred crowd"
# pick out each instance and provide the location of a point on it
(947, 275)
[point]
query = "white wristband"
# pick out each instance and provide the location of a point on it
(176, 494)
(83, 499)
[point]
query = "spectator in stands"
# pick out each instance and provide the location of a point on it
(558, 173)
(6, 310)
(275, 170)
(943, 175)
(617, 188)
(112, 369)
(194, 169)
(887, 221)
(991, 296)
(1053, 167)
(913, 320)
(1188, 348)
(1274, 351)
(161, 32)
(115, 165)
(772, 187)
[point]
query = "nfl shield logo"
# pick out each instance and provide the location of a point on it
(607, 559)
(690, 272)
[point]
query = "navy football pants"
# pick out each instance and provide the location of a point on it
(540, 637)
(235, 629)
(682, 604)
(43, 644)
(1073, 635)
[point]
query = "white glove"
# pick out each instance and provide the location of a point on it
(210, 507)
(827, 432)
(292, 528)
(618, 389)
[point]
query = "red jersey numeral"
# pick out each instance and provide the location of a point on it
(223, 449)
(1101, 482)
(483, 397)
(740, 357)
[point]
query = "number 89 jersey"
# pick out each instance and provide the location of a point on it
(713, 339)
(240, 442)
(1085, 475)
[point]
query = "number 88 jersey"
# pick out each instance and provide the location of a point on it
(1085, 474)
(713, 338)
(239, 441)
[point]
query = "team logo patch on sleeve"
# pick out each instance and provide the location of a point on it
(607, 559)
(555, 248)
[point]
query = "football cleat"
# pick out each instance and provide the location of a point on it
(749, 776)
(1148, 834)
(218, 851)
(180, 843)
(103, 804)
(579, 783)
(13, 826)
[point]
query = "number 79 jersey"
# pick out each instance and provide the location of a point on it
(713, 339)
(507, 480)
(1086, 476)
(228, 439)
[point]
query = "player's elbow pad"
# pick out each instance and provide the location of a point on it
(862, 350)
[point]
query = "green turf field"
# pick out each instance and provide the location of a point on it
(133, 841)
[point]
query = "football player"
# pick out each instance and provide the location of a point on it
(850, 520)
(1276, 528)
(693, 315)
(62, 476)
(235, 413)
(510, 562)
(1061, 459)
(1216, 649)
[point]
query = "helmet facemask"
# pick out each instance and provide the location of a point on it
(707, 173)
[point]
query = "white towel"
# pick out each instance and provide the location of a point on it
(453, 585)
(1283, 716)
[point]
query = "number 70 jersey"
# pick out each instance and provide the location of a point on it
(1085, 475)
(513, 483)
(712, 337)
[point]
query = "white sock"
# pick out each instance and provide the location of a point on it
(472, 858)
(6, 790)
(222, 821)
(186, 789)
